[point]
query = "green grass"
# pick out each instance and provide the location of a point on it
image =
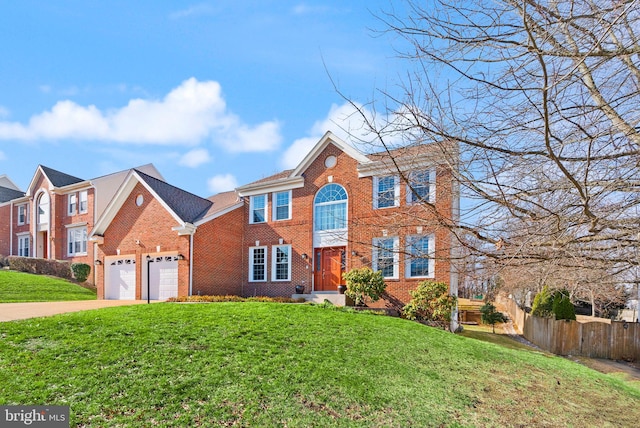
(269, 364)
(25, 287)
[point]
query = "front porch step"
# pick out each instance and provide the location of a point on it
(334, 297)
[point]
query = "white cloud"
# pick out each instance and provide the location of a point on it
(195, 158)
(189, 114)
(345, 121)
(222, 183)
(195, 10)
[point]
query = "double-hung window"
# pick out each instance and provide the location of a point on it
(83, 204)
(73, 203)
(385, 257)
(282, 205)
(386, 192)
(420, 260)
(281, 270)
(23, 214)
(421, 187)
(77, 239)
(23, 245)
(257, 264)
(258, 209)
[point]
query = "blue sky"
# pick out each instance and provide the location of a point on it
(214, 93)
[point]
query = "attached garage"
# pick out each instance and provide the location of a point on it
(120, 279)
(163, 278)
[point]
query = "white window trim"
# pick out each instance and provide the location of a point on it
(432, 188)
(266, 209)
(396, 256)
(21, 238)
(266, 256)
(396, 191)
(274, 203)
(74, 204)
(432, 264)
(86, 198)
(70, 231)
(26, 214)
(273, 263)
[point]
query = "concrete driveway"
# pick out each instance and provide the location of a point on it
(20, 311)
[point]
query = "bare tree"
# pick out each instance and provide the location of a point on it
(535, 105)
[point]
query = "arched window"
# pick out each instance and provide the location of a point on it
(43, 208)
(330, 208)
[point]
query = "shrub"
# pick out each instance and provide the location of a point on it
(562, 306)
(61, 269)
(543, 303)
(80, 271)
(363, 283)
(431, 302)
(490, 316)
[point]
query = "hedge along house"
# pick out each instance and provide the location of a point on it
(53, 218)
(156, 241)
(340, 209)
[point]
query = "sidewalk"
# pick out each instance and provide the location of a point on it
(20, 311)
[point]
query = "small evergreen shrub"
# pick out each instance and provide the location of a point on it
(490, 315)
(431, 302)
(562, 306)
(543, 303)
(80, 271)
(364, 283)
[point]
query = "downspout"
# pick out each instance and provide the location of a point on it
(191, 264)
(11, 231)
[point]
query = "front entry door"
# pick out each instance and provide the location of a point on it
(329, 268)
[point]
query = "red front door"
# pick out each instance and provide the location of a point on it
(329, 266)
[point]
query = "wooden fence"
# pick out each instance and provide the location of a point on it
(615, 341)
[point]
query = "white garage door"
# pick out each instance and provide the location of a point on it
(163, 277)
(121, 280)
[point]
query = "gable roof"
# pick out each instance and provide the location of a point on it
(7, 194)
(222, 203)
(59, 179)
(187, 206)
(5, 181)
(293, 178)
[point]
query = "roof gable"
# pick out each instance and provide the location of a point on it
(59, 179)
(328, 138)
(7, 194)
(184, 207)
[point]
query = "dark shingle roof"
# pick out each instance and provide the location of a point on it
(7, 194)
(187, 206)
(59, 179)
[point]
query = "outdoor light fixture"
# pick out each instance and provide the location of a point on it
(354, 253)
(148, 279)
(180, 257)
(97, 262)
(304, 256)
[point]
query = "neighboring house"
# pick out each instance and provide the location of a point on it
(54, 217)
(8, 192)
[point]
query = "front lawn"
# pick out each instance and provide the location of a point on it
(269, 364)
(25, 287)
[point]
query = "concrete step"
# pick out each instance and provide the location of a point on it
(334, 297)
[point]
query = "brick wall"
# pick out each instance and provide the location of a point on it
(218, 257)
(5, 230)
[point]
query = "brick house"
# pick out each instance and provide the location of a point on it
(338, 209)
(8, 192)
(54, 217)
